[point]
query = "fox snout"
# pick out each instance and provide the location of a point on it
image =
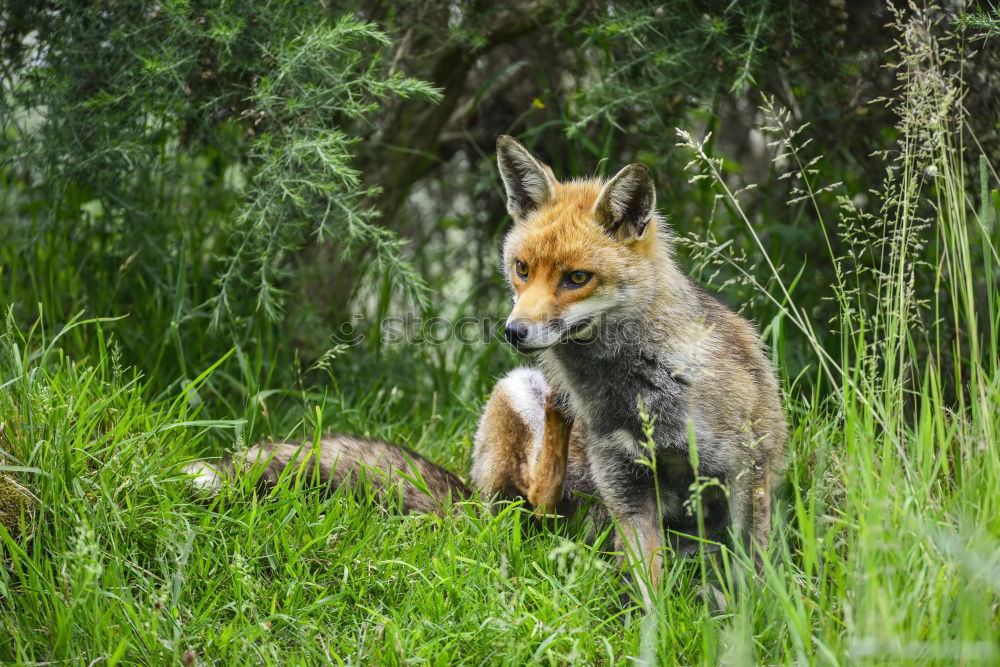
(531, 336)
(515, 332)
(536, 335)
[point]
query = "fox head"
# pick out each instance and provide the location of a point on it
(578, 252)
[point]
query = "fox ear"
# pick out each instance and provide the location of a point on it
(528, 182)
(627, 202)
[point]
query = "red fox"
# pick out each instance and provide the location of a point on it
(614, 324)
(615, 327)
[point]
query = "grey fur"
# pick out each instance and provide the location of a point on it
(604, 379)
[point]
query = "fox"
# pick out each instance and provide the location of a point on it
(621, 340)
(619, 332)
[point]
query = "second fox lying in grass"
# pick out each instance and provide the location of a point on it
(614, 325)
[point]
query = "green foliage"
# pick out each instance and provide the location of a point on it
(258, 167)
(982, 22)
(178, 156)
(656, 58)
(304, 183)
(182, 155)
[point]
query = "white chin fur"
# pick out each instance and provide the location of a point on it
(540, 336)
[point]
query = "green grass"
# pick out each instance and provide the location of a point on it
(886, 545)
(885, 549)
(127, 561)
(887, 532)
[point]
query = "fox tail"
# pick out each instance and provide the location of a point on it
(384, 468)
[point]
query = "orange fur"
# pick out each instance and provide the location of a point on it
(549, 473)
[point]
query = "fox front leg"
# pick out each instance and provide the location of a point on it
(549, 471)
(628, 490)
(640, 539)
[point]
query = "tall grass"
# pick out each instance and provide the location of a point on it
(887, 538)
(893, 538)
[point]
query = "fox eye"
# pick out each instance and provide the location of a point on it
(578, 278)
(521, 268)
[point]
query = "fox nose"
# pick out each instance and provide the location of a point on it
(515, 332)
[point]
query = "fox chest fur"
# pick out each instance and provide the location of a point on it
(606, 383)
